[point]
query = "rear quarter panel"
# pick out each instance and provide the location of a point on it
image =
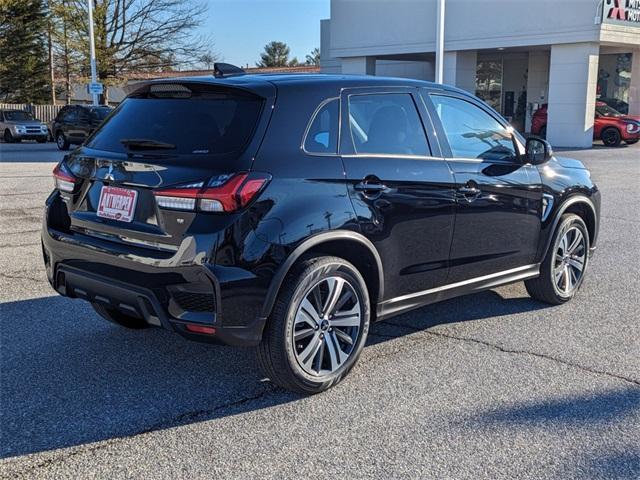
(306, 196)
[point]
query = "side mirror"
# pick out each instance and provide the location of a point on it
(538, 150)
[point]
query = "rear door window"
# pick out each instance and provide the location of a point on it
(203, 123)
(386, 124)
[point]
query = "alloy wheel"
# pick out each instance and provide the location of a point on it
(570, 259)
(326, 327)
(610, 137)
(60, 140)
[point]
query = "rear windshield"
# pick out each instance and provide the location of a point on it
(18, 116)
(203, 124)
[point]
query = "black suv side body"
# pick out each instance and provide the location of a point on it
(398, 192)
(74, 124)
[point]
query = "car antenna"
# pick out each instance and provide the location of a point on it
(226, 70)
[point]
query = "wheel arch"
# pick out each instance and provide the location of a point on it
(582, 206)
(352, 246)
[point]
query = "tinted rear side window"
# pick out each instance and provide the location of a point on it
(322, 136)
(213, 123)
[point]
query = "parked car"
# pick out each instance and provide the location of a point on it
(74, 124)
(619, 105)
(289, 212)
(18, 125)
(609, 125)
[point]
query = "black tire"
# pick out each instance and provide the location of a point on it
(276, 353)
(8, 138)
(544, 288)
(61, 141)
(633, 142)
(543, 132)
(611, 137)
(119, 318)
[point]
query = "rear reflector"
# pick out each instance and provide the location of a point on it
(200, 329)
(62, 179)
(224, 193)
(176, 203)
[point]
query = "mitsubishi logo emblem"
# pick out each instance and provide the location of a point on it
(109, 175)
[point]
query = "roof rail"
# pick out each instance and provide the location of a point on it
(226, 70)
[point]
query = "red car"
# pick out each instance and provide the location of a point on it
(610, 126)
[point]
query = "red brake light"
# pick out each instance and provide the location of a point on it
(224, 197)
(220, 194)
(249, 190)
(63, 180)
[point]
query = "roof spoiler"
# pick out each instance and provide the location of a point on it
(226, 70)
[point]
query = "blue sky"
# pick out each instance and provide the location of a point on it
(241, 28)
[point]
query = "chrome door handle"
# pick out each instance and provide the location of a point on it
(469, 190)
(370, 187)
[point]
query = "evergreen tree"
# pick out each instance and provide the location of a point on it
(24, 75)
(276, 54)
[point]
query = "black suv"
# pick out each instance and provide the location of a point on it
(288, 212)
(74, 123)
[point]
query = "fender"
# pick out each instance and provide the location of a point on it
(572, 200)
(305, 246)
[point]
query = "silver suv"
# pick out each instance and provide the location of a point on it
(18, 125)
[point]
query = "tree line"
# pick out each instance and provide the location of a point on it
(44, 44)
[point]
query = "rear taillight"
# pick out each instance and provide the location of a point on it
(63, 180)
(225, 193)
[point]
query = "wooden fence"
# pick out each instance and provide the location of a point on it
(45, 113)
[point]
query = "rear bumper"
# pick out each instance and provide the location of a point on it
(145, 303)
(172, 293)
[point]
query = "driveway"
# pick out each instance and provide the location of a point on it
(492, 385)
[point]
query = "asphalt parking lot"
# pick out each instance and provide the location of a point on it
(492, 385)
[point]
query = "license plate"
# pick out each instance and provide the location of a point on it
(117, 203)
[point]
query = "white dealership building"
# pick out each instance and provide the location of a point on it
(515, 54)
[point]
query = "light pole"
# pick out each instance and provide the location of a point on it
(440, 42)
(92, 50)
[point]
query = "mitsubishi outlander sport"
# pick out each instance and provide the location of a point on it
(289, 212)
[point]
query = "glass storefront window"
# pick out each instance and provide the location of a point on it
(489, 82)
(614, 80)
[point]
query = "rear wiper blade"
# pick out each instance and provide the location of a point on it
(146, 144)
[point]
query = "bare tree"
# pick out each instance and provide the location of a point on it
(208, 59)
(313, 58)
(138, 35)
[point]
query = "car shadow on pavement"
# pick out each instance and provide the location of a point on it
(70, 378)
(615, 409)
(478, 306)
